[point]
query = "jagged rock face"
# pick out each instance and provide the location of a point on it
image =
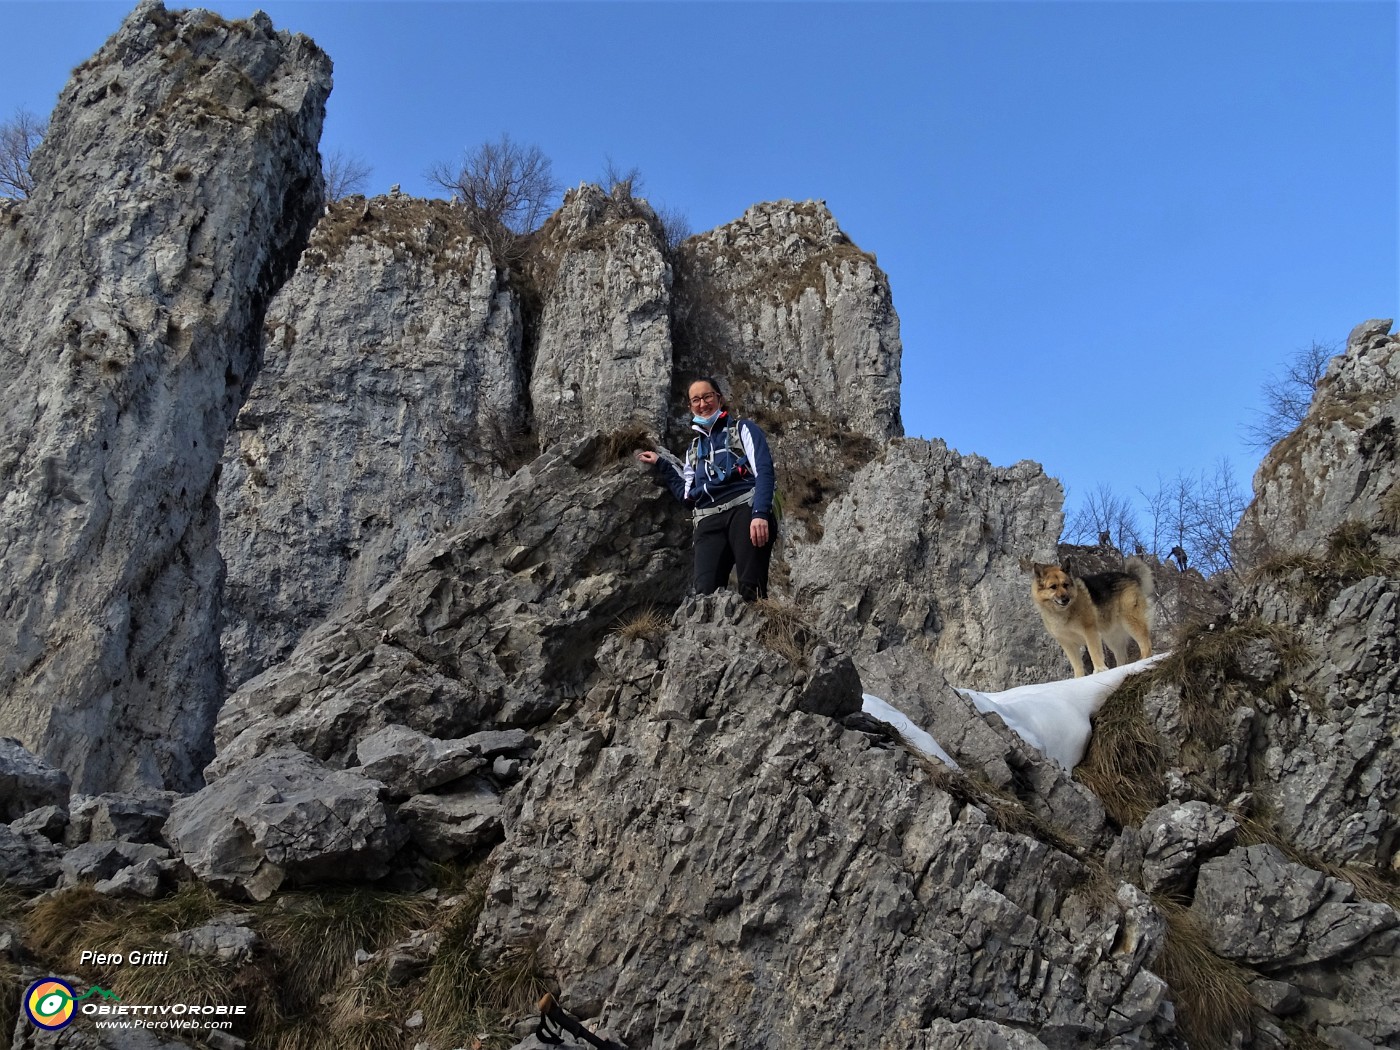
(924, 549)
(493, 626)
(1338, 466)
(983, 743)
(796, 316)
(1305, 929)
(603, 356)
(177, 184)
(709, 861)
(390, 385)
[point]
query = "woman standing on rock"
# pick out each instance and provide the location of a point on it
(728, 478)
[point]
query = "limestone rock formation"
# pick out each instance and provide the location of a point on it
(1338, 466)
(494, 626)
(177, 184)
(390, 386)
(940, 538)
(286, 819)
(602, 360)
(800, 319)
(759, 869)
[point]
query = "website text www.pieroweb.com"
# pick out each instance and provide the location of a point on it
(53, 1003)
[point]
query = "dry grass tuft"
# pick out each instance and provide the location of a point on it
(1211, 993)
(462, 996)
(648, 622)
(1127, 758)
(1351, 555)
(785, 631)
(621, 444)
(1126, 762)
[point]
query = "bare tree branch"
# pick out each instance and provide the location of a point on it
(18, 138)
(507, 189)
(1288, 395)
(345, 174)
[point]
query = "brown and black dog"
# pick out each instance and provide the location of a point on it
(1088, 611)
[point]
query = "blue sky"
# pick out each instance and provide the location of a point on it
(1105, 224)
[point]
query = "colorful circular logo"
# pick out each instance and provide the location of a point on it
(49, 1003)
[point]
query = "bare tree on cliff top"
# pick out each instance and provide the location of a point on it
(1288, 395)
(18, 137)
(344, 175)
(506, 188)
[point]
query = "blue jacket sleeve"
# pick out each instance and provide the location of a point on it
(668, 475)
(765, 481)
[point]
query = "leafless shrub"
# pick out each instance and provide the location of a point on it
(506, 189)
(1288, 395)
(1105, 517)
(19, 136)
(1190, 518)
(619, 182)
(345, 174)
(675, 227)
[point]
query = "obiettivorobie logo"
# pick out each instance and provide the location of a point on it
(52, 1004)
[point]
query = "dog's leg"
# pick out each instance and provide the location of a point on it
(1143, 637)
(1118, 644)
(1072, 651)
(1095, 643)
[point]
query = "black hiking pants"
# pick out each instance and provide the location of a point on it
(722, 544)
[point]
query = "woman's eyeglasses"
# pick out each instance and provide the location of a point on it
(700, 400)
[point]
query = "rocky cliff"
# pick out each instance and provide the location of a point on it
(175, 190)
(463, 673)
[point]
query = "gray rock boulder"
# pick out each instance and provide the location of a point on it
(1177, 839)
(1264, 910)
(173, 192)
(941, 537)
(390, 389)
(1308, 931)
(27, 782)
(125, 816)
(603, 356)
(226, 940)
(284, 818)
(408, 762)
(455, 824)
(98, 861)
(28, 859)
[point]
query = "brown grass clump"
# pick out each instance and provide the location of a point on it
(462, 995)
(1211, 993)
(303, 987)
(1126, 763)
(1127, 758)
(785, 631)
(1351, 555)
(648, 622)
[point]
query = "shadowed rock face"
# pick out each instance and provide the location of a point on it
(177, 185)
(390, 386)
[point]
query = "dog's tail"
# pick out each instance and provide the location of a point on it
(1142, 572)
